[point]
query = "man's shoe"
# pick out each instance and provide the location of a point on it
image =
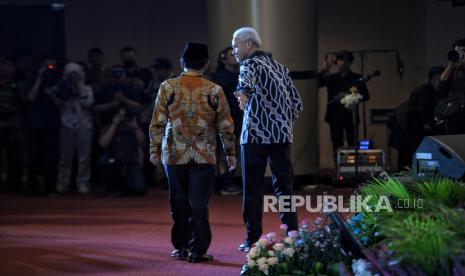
(245, 246)
(179, 254)
(231, 189)
(196, 258)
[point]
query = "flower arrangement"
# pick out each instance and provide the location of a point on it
(351, 100)
(418, 240)
(299, 252)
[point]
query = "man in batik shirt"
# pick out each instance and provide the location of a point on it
(189, 111)
(271, 105)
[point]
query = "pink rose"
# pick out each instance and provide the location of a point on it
(283, 227)
(293, 234)
(271, 236)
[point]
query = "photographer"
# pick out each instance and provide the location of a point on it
(132, 70)
(120, 164)
(42, 125)
(74, 99)
(117, 93)
(414, 119)
(452, 109)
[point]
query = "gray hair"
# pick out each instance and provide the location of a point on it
(248, 33)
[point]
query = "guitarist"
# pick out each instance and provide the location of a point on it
(339, 80)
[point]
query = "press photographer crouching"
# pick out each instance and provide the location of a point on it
(451, 110)
(120, 163)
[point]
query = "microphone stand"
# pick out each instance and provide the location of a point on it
(354, 108)
(361, 54)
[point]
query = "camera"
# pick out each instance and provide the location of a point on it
(50, 76)
(126, 115)
(117, 72)
(455, 56)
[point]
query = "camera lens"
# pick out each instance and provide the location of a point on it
(455, 56)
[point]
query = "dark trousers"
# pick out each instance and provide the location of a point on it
(337, 135)
(116, 177)
(11, 145)
(190, 187)
(254, 158)
(42, 151)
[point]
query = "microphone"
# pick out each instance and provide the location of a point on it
(367, 77)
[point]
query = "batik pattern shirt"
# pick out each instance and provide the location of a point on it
(189, 112)
(273, 103)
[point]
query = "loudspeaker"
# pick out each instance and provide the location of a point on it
(440, 155)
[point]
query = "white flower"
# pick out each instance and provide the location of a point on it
(261, 261)
(254, 251)
(272, 261)
(278, 246)
(252, 254)
(361, 268)
(289, 240)
(263, 242)
(251, 263)
(349, 100)
(271, 253)
(289, 251)
(264, 268)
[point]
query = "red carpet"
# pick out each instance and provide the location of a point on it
(87, 235)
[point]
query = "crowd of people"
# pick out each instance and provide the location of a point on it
(82, 126)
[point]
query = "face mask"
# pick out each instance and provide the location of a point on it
(129, 63)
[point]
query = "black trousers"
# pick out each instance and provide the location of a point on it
(42, 151)
(190, 187)
(11, 145)
(337, 135)
(254, 158)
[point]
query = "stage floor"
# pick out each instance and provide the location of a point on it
(88, 235)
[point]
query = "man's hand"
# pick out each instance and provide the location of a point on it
(242, 99)
(232, 162)
(155, 159)
(41, 71)
(118, 118)
(133, 123)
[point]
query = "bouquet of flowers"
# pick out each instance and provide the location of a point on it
(350, 100)
(298, 253)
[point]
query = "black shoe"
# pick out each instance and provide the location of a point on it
(230, 189)
(179, 254)
(196, 258)
(245, 246)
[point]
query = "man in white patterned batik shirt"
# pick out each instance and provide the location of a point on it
(271, 105)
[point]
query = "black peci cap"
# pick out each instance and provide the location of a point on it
(195, 51)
